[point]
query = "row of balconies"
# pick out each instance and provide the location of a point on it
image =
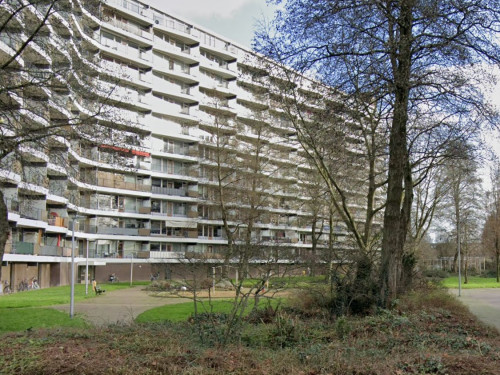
(175, 27)
(94, 206)
(26, 248)
(29, 248)
(106, 179)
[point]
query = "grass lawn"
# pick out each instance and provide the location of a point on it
(22, 319)
(20, 311)
(182, 311)
(473, 282)
(52, 296)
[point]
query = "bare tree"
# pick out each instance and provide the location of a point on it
(423, 60)
(491, 230)
(462, 201)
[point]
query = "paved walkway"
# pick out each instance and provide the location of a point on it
(484, 303)
(123, 305)
(119, 306)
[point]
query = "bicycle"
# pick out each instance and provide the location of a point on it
(33, 284)
(113, 278)
(23, 286)
(6, 287)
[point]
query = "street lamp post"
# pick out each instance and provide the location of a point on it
(131, 269)
(72, 281)
(87, 270)
(459, 261)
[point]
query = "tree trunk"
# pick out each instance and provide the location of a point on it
(466, 265)
(454, 263)
(497, 261)
(399, 196)
(4, 229)
(314, 240)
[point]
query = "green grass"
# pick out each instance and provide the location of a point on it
(182, 311)
(20, 311)
(21, 319)
(473, 282)
(52, 296)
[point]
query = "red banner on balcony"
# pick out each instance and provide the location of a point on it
(126, 151)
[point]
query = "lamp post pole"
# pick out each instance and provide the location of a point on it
(72, 280)
(87, 270)
(131, 269)
(459, 261)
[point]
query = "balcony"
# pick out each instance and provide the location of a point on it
(166, 254)
(123, 94)
(128, 210)
(221, 68)
(132, 8)
(33, 214)
(23, 248)
(218, 46)
(134, 75)
(111, 183)
(169, 108)
(118, 231)
(181, 51)
(58, 222)
(55, 251)
(131, 28)
(174, 27)
(176, 150)
(12, 205)
(144, 211)
(137, 54)
(169, 191)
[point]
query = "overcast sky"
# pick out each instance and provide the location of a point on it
(233, 19)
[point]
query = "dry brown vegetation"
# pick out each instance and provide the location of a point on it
(427, 332)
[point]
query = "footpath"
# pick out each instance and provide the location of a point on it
(119, 306)
(483, 303)
(124, 305)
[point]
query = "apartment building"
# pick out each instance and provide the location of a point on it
(193, 108)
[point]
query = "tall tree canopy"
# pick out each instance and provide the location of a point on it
(426, 60)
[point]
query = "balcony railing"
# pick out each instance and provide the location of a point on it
(171, 23)
(33, 213)
(12, 204)
(24, 248)
(169, 191)
(49, 250)
(131, 28)
(118, 231)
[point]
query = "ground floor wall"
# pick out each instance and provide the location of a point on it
(57, 274)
